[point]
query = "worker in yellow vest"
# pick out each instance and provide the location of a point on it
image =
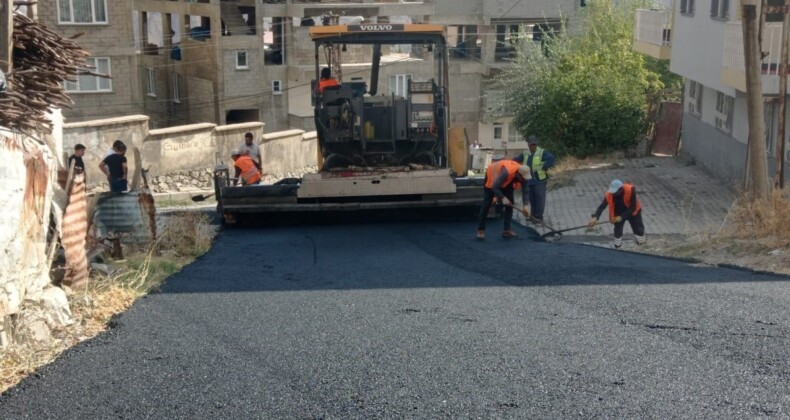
(539, 160)
(623, 206)
(501, 178)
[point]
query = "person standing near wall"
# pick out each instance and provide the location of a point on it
(539, 161)
(245, 169)
(76, 159)
(252, 150)
(115, 168)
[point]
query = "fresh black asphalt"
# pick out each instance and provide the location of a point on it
(419, 320)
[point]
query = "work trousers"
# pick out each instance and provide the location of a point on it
(637, 226)
(507, 212)
(537, 199)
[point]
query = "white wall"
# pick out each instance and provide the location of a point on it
(698, 46)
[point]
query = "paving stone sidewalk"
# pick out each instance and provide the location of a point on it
(679, 199)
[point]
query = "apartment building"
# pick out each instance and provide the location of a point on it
(703, 39)
(106, 29)
(229, 61)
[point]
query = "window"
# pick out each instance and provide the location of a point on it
(512, 133)
(91, 83)
(277, 88)
(719, 9)
(499, 135)
(241, 60)
(151, 85)
(687, 7)
(724, 112)
(695, 98)
(82, 11)
(399, 84)
(177, 88)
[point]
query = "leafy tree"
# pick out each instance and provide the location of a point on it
(585, 91)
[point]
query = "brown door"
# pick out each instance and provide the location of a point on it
(667, 135)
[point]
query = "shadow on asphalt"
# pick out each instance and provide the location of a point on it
(431, 249)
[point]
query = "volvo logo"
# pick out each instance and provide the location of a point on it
(375, 27)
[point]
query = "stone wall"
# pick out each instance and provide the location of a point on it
(183, 158)
(27, 175)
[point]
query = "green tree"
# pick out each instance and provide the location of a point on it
(584, 91)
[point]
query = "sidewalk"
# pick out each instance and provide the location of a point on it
(678, 200)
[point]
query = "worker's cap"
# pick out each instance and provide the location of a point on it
(532, 139)
(524, 171)
(235, 152)
(615, 185)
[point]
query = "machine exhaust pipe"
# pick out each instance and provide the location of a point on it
(374, 70)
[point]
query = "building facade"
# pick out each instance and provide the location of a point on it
(704, 42)
(232, 61)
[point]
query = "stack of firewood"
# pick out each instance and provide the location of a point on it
(42, 62)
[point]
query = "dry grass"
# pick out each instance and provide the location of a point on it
(184, 237)
(755, 235)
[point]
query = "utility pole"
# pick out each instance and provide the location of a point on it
(757, 174)
(6, 35)
(779, 173)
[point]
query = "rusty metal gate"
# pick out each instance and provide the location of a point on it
(667, 134)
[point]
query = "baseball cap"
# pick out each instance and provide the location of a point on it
(524, 171)
(532, 139)
(615, 185)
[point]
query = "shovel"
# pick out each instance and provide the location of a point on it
(557, 234)
(201, 197)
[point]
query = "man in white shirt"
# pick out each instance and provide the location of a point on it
(252, 150)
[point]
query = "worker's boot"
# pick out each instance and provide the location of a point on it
(618, 242)
(481, 234)
(640, 240)
(509, 234)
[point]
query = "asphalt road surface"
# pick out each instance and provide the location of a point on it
(419, 320)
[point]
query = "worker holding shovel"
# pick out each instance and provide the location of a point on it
(501, 178)
(623, 206)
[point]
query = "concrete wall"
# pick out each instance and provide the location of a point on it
(98, 136)
(289, 151)
(182, 158)
(713, 149)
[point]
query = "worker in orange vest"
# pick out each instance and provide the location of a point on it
(501, 179)
(623, 206)
(246, 170)
(326, 80)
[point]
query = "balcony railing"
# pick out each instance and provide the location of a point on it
(653, 33)
(733, 63)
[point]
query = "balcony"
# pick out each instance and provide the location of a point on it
(733, 72)
(653, 33)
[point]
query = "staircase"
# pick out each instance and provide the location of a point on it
(234, 21)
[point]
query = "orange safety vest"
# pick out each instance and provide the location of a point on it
(249, 172)
(325, 83)
(628, 189)
(495, 168)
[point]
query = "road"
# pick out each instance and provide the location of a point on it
(419, 320)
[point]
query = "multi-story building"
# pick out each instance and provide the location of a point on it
(107, 33)
(227, 61)
(704, 42)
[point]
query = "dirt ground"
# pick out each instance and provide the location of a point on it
(753, 254)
